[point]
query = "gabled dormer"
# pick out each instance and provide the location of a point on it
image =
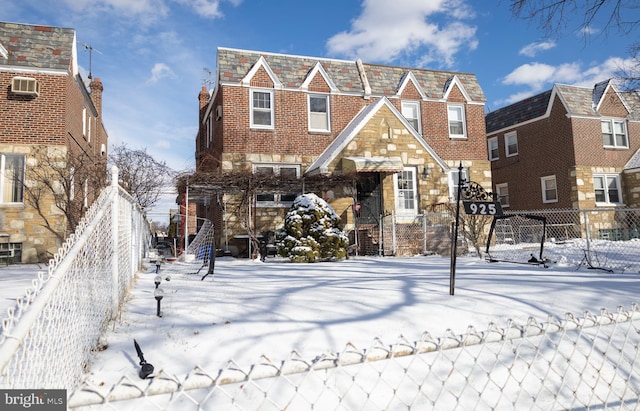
(410, 85)
(316, 76)
(607, 101)
(261, 69)
(453, 85)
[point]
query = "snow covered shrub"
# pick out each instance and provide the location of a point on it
(312, 231)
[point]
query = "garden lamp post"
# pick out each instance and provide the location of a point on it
(158, 294)
(157, 280)
(146, 369)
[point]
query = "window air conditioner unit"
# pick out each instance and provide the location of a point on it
(25, 85)
(218, 112)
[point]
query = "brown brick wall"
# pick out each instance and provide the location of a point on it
(52, 120)
(569, 148)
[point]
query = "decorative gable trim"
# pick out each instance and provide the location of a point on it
(320, 166)
(261, 63)
(410, 77)
(450, 84)
(3, 52)
(312, 74)
(600, 95)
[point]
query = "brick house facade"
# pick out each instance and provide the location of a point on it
(48, 114)
(569, 147)
(400, 132)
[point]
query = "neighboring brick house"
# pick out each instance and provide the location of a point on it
(567, 148)
(400, 132)
(48, 115)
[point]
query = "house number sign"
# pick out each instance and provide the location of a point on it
(493, 208)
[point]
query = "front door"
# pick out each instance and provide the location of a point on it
(406, 193)
(369, 198)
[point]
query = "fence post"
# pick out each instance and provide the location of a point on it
(424, 232)
(394, 244)
(115, 259)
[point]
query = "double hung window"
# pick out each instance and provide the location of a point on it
(11, 178)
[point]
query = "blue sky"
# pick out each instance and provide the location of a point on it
(153, 55)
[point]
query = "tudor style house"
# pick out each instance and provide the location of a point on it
(401, 133)
(50, 120)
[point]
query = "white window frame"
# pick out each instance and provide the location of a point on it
(405, 191)
(507, 144)
(327, 114)
(457, 108)
(411, 111)
(492, 145)
(253, 109)
(277, 197)
(72, 183)
(545, 188)
(605, 178)
(5, 182)
(502, 194)
(89, 121)
(84, 122)
(611, 123)
(453, 182)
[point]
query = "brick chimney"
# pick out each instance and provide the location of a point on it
(96, 95)
(203, 99)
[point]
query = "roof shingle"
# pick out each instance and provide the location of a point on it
(37, 47)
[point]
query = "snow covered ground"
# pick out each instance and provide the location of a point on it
(249, 308)
(252, 308)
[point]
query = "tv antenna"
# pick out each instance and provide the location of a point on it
(90, 49)
(207, 80)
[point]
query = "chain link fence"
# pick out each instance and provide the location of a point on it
(603, 238)
(47, 338)
(585, 362)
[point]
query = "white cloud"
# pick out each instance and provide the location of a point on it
(384, 30)
(538, 76)
(530, 50)
(145, 10)
(160, 71)
(204, 8)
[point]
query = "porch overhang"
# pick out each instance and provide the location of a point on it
(372, 164)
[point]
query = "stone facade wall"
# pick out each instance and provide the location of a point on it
(22, 223)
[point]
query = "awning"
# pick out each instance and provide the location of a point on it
(372, 165)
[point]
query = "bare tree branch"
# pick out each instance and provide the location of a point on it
(140, 174)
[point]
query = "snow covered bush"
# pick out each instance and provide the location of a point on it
(312, 231)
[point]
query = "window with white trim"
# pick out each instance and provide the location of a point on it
(72, 183)
(607, 189)
(457, 126)
(11, 178)
(85, 193)
(286, 172)
(318, 112)
(261, 109)
(549, 189)
(614, 133)
(502, 193)
(84, 122)
(454, 175)
(492, 144)
(511, 144)
(411, 111)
